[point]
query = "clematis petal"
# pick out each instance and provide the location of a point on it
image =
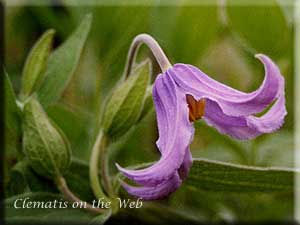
(272, 120)
(236, 127)
(245, 127)
(186, 165)
(164, 188)
(158, 191)
(175, 133)
(232, 102)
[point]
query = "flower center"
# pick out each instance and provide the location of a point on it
(196, 108)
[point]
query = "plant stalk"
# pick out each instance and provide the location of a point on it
(69, 195)
(157, 51)
(98, 153)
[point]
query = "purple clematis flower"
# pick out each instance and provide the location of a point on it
(184, 94)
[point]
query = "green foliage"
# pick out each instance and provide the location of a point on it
(18, 183)
(12, 118)
(62, 64)
(12, 111)
(75, 124)
(221, 147)
(78, 173)
(125, 105)
(148, 104)
(151, 213)
(114, 38)
(101, 219)
(42, 215)
(24, 179)
(45, 146)
(24, 182)
(264, 29)
(35, 65)
(276, 150)
(189, 34)
(225, 177)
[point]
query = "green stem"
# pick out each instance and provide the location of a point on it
(69, 195)
(158, 53)
(96, 155)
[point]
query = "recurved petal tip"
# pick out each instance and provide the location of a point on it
(154, 192)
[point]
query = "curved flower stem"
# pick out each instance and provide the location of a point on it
(158, 53)
(69, 195)
(96, 155)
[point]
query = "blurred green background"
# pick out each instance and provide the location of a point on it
(220, 38)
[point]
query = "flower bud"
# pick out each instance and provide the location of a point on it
(125, 105)
(45, 145)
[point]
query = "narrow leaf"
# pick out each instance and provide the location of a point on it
(126, 103)
(62, 64)
(36, 62)
(219, 176)
(75, 125)
(45, 145)
(12, 111)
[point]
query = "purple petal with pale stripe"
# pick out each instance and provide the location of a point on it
(175, 133)
(232, 102)
(158, 191)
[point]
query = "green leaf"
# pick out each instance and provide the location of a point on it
(17, 183)
(11, 120)
(12, 111)
(24, 179)
(78, 173)
(125, 105)
(36, 62)
(148, 104)
(114, 38)
(62, 64)
(262, 27)
(220, 147)
(42, 215)
(45, 145)
(75, 125)
(186, 31)
(270, 150)
(156, 213)
(219, 176)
